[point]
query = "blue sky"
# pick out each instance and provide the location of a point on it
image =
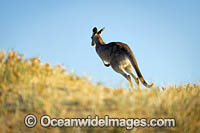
(163, 35)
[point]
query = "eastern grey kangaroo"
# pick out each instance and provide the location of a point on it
(119, 56)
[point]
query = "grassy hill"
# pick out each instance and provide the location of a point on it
(28, 86)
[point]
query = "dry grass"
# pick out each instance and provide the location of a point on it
(28, 86)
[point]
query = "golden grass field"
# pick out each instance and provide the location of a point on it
(29, 86)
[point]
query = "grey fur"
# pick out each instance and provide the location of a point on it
(119, 56)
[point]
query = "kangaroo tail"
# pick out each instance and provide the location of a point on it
(135, 65)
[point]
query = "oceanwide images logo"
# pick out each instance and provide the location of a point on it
(46, 121)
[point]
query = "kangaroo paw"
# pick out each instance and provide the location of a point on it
(107, 65)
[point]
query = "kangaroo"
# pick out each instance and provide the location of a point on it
(119, 56)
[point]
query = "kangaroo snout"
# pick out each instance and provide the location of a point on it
(92, 43)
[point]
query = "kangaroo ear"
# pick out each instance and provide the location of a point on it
(94, 30)
(101, 30)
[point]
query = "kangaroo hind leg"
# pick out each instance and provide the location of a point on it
(123, 73)
(129, 70)
(128, 77)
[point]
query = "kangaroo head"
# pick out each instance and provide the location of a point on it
(96, 36)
